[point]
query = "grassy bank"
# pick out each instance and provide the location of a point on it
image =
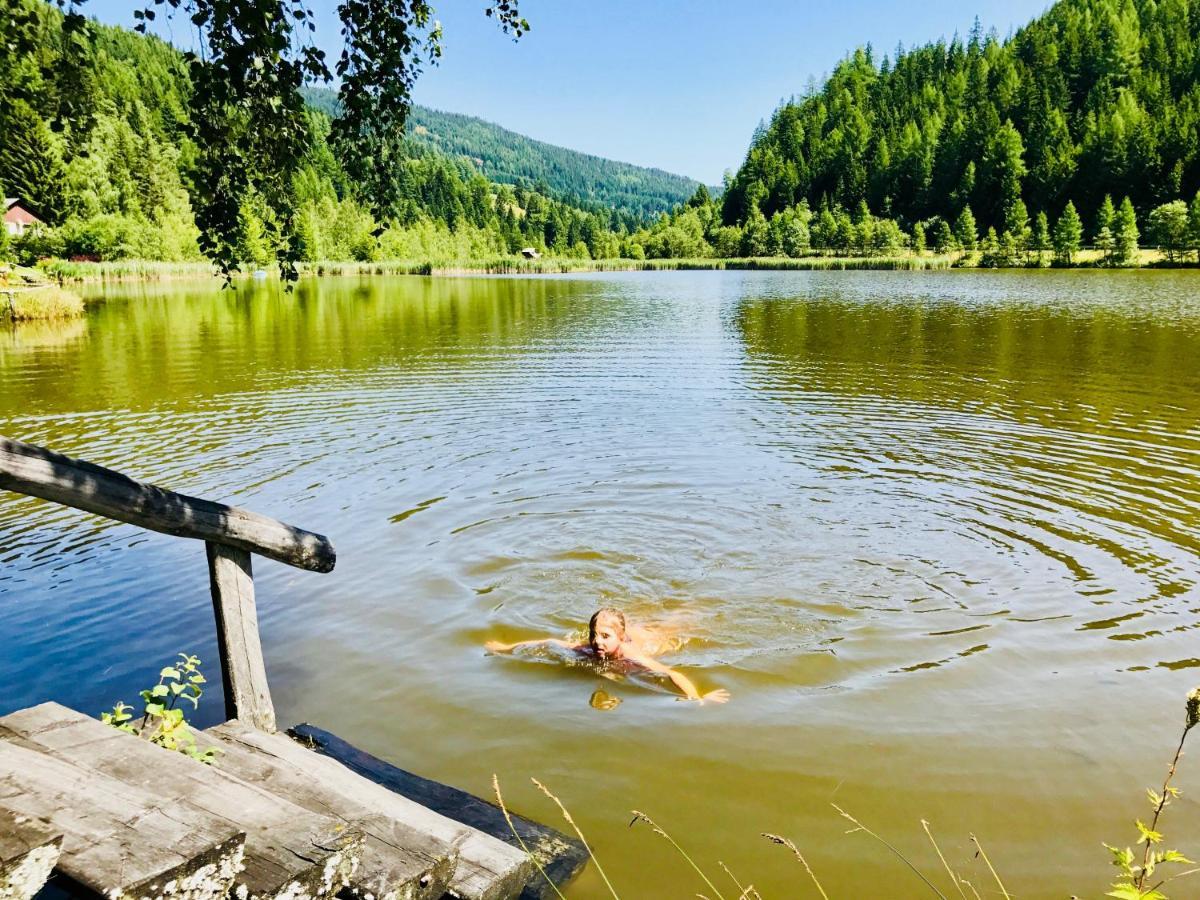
(43, 302)
(27, 295)
(145, 270)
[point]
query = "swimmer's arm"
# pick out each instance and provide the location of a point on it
(680, 680)
(499, 647)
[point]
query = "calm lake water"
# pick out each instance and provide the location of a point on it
(937, 533)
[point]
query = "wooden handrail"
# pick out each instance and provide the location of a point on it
(43, 473)
(231, 535)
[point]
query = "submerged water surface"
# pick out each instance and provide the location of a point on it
(935, 532)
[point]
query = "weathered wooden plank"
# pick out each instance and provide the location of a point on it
(562, 857)
(29, 848)
(120, 841)
(290, 852)
(243, 672)
(488, 869)
(399, 860)
(43, 473)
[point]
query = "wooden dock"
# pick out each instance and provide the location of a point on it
(91, 810)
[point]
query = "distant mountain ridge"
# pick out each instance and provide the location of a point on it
(507, 157)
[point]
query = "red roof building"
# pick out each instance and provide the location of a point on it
(17, 216)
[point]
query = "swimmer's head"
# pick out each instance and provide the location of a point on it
(606, 632)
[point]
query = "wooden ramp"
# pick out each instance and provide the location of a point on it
(560, 856)
(270, 819)
(114, 815)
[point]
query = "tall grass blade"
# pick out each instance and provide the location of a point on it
(800, 856)
(979, 847)
(524, 846)
(859, 826)
(949, 871)
(570, 821)
(641, 816)
(742, 890)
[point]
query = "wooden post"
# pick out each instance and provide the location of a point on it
(243, 672)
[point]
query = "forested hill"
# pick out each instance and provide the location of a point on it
(509, 158)
(1094, 97)
(94, 137)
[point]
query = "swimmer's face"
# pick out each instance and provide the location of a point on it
(606, 642)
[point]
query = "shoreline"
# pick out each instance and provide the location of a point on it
(63, 271)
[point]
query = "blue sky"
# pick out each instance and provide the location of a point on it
(677, 84)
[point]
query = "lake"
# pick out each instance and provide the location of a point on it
(938, 534)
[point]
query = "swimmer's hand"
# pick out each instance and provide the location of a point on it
(497, 647)
(720, 695)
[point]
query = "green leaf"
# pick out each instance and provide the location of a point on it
(1174, 856)
(177, 688)
(159, 690)
(1125, 892)
(1155, 798)
(169, 672)
(154, 709)
(1152, 837)
(1121, 858)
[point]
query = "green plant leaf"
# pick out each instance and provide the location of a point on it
(177, 688)
(1174, 856)
(1152, 837)
(159, 690)
(169, 672)
(1122, 858)
(1125, 892)
(154, 709)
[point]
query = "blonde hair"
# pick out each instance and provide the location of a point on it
(606, 612)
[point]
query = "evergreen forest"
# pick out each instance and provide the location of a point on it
(1093, 102)
(506, 157)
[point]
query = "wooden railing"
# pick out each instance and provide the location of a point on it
(231, 535)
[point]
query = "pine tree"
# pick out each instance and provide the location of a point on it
(1016, 225)
(1125, 235)
(918, 238)
(1041, 232)
(1068, 233)
(990, 249)
(965, 231)
(1103, 235)
(943, 240)
(30, 159)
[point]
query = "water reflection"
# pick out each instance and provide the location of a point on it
(1024, 460)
